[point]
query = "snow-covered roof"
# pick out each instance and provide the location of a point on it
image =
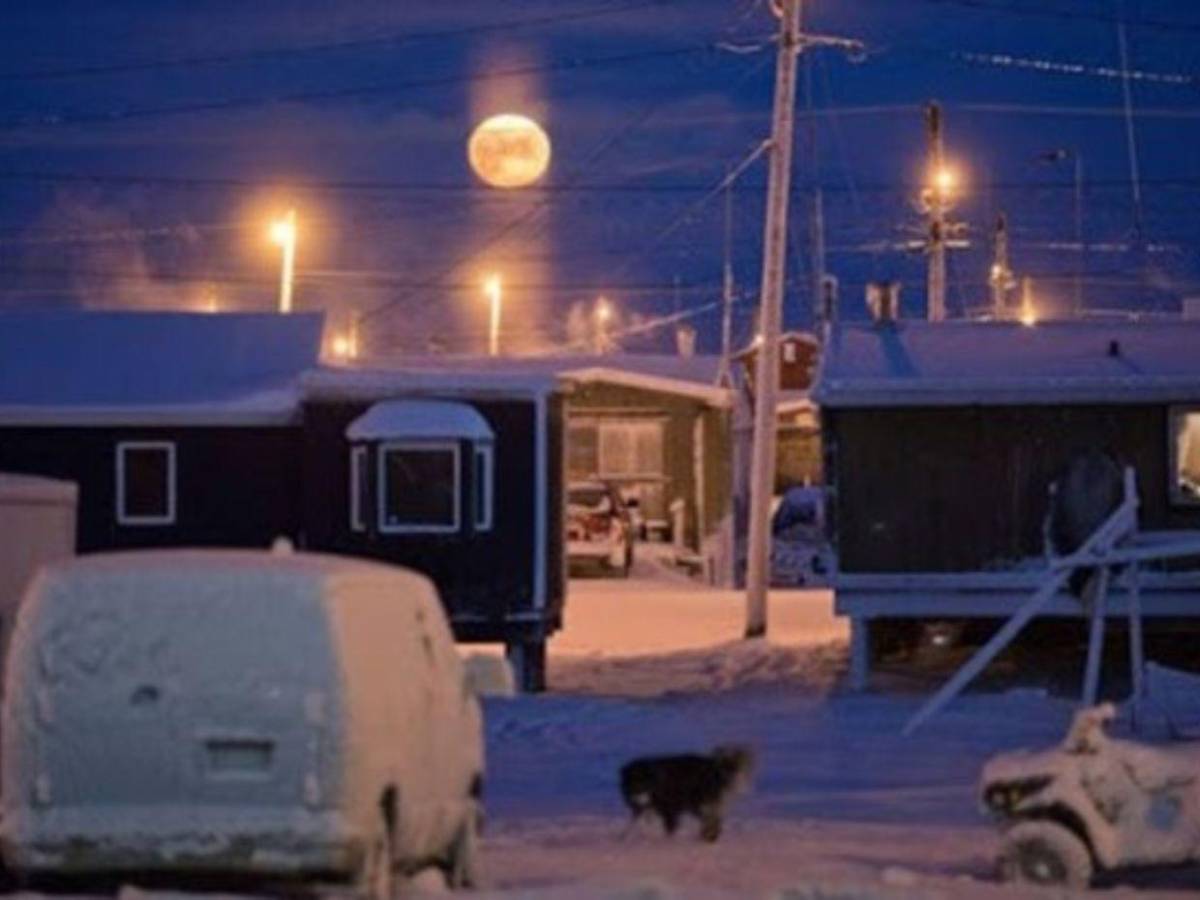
(1007, 363)
(693, 376)
(420, 419)
(80, 368)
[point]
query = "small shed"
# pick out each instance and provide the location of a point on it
(453, 473)
(942, 438)
(37, 519)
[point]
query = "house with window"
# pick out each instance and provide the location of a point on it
(941, 440)
(225, 430)
(798, 456)
(657, 426)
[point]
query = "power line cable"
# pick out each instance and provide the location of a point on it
(271, 53)
(382, 88)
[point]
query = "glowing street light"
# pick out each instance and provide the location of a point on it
(495, 294)
(603, 315)
(283, 235)
(1029, 316)
(945, 183)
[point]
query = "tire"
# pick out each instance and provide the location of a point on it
(462, 870)
(376, 880)
(1045, 853)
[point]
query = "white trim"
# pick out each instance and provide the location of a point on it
(358, 473)
(541, 454)
(487, 450)
(713, 396)
(381, 487)
(123, 518)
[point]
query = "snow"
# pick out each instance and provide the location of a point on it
(33, 490)
(420, 418)
(246, 710)
(843, 805)
(919, 363)
(68, 366)
(693, 377)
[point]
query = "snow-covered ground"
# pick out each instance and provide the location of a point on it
(843, 805)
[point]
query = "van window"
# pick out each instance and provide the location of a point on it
(146, 483)
(419, 487)
(484, 489)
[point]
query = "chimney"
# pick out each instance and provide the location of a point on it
(883, 301)
(685, 340)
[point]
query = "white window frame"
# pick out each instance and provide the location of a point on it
(381, 487)
(487, 450)
(1174, 414)
(123, 517)
(358, 473)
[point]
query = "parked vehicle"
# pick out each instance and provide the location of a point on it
(1094, 802)
(238, 712)
(599, 529)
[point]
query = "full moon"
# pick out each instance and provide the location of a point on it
(509, 151)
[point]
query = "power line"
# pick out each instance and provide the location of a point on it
(239, 103)
(1026, 9)
(270, 53)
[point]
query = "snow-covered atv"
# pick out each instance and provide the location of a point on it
(1093, 803)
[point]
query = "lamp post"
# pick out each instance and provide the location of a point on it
(1062, 154)
(283, 235)
(603, 314)
(494, 290)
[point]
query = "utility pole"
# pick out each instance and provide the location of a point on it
(820, 313)
(1001, 277)
(725, 377)
(762, 471)
(936, 287)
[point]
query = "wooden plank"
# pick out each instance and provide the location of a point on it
(1001, 604)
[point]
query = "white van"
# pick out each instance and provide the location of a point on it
(238, 712)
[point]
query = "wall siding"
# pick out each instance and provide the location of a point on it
(235, 487)
(958, 489)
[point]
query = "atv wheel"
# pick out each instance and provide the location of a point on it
(1045, 853)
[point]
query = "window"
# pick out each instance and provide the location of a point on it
(146, 483)
(418, 488)
(484, 490)
(358, 488)
(1185, 451)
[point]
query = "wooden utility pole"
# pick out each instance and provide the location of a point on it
(762, 470)
(936, 287)
(725, 377)
(1001, 277)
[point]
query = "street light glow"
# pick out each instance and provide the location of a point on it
(945, 181)
(494, 290)
(283, 235)
(604, 311)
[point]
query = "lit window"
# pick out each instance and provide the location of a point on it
(1185, 487)
(789, 352)
(358, 488)
(419, 488)
(484, 490)
(146, 483)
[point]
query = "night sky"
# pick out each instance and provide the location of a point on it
(144, 147)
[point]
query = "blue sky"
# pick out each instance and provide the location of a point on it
(163, 138)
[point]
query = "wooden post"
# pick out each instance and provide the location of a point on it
(860, 653)
(1136, 649)
(1091, 672)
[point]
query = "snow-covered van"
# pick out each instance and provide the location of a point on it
(236, 712)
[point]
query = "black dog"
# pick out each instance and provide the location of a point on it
(698, 784)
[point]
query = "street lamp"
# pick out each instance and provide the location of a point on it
(1062, 154)
(603, 314)
(283, 235)
(493, 288)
